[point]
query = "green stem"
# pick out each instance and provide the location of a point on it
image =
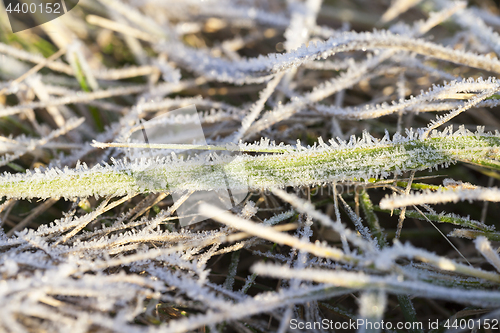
(409, 312)
(371, 218)
(441, 218)
(94, 112)
(404, 301)
(303, 167)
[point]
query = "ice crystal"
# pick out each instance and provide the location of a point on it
(306, 116)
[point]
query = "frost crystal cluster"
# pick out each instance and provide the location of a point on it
(364, 136)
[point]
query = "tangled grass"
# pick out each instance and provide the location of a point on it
(364, 133)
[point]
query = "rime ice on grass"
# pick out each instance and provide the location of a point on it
(294, 132)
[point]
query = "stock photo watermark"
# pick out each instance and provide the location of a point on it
(183, 127)
(368, 325)
(328, 189)
(27, 14)
(178, 136)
